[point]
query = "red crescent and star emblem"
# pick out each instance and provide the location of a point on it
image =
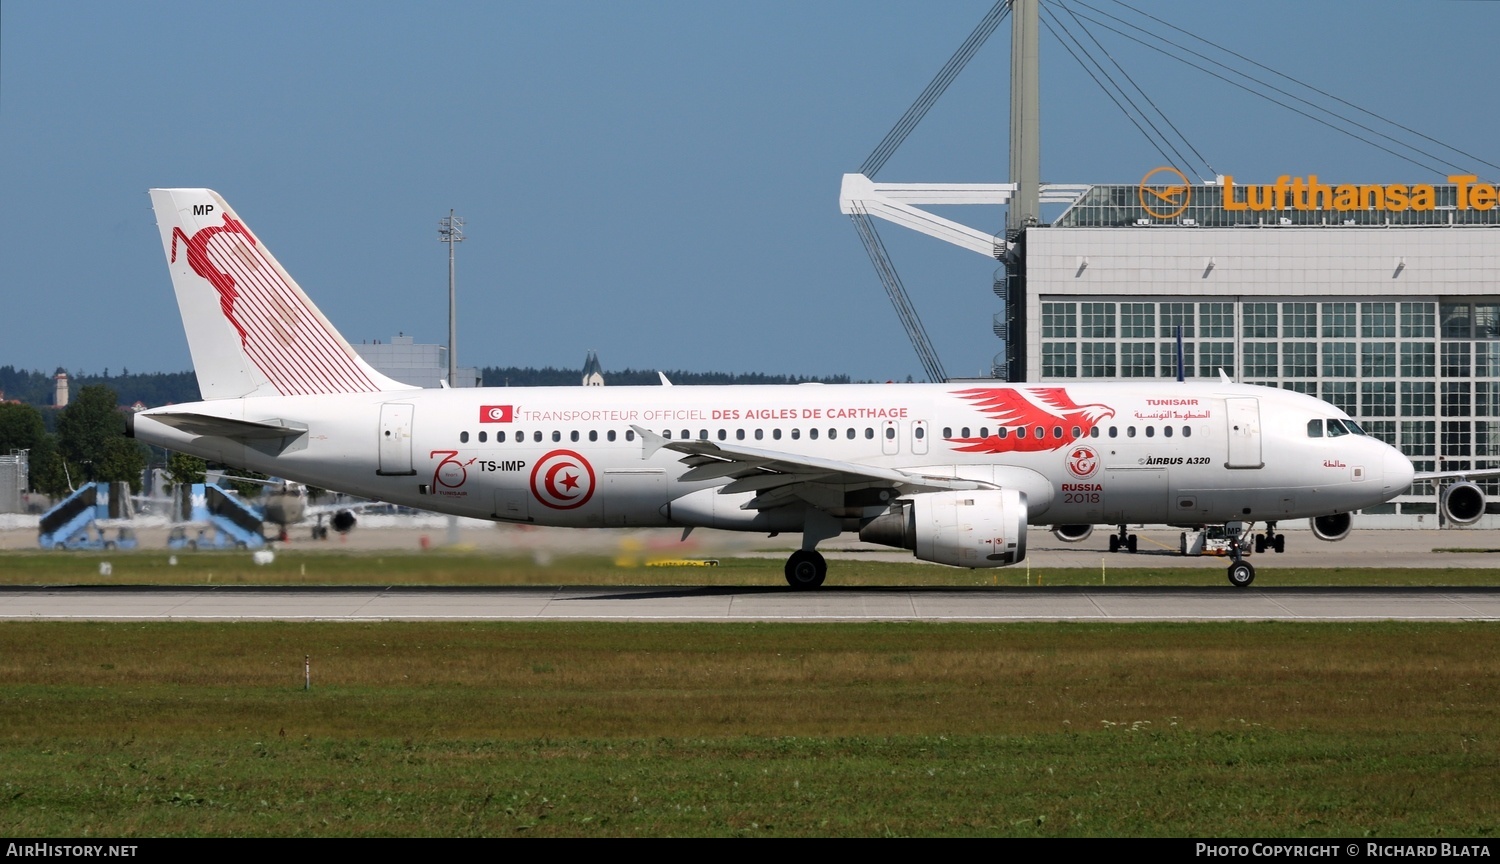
(562, 480)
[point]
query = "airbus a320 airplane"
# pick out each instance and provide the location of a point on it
(953, 472)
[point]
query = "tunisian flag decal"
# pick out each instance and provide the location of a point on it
(497, 413)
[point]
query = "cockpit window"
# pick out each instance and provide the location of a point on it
(1315, 428)
(1355, 428)
(1336, 428)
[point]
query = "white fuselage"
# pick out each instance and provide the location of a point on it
(1138, 452)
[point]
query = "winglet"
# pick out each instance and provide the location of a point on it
(1224, 377)
(650, 442)
(663, 376)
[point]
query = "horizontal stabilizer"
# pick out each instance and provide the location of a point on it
(222, 427)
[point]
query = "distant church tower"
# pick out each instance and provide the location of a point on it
(60, 393)
(593, 376)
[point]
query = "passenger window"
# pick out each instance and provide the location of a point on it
(556, 435)
(1077, 433)
(964, 433)
(537, 436)
(593, 434)
(629, 434)
(573, 436)
(776, 433)
(1150, 431)
(723, 436)
(796, 434)
(463, 437)
(1040, 432)
(850, 434)
(1020, 431)
(1114, 431)
(610, 434)
(921, 432)
(500, 437)
(1129, 431)
(813, 433)
(890, 433)
(703, 434)
(984, 431)
(759, 434)
(685, 434)
(1187, 431)
(667, 434)
(1094, 432)
(1002, 432)
(1167, 431)
(947, 431)
(1057, 432)
(739, 434)
(483, 436)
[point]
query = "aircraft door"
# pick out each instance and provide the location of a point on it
(395, 439)
(919, 432)
(1244, 433)
(890, 438)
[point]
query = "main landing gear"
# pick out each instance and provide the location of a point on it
(806, 569)
(1122, 540)
(1270, 540)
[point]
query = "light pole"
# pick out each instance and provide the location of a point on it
(451, 231)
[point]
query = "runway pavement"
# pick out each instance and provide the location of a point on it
(749, 604)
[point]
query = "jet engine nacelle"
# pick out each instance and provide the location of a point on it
(1332, 527)
(979, 528)
(343, 521)
(1463, 503)
(1072, 533)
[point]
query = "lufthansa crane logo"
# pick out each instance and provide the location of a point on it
(1165, 192)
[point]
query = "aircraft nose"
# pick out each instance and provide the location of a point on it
(1398, 470)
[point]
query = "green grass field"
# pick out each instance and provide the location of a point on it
(591, 729)
(757, 730)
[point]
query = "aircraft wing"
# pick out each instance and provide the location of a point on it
(1455, 475)
(779, 478)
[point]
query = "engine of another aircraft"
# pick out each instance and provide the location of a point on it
(977, 528)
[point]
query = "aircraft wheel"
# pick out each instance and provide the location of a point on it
(1260, 543)
(1182, 543)
(806, 569)
(1130, 543)
(1114, 542)
(1279, 544)
(1241, 574)
(109, 544)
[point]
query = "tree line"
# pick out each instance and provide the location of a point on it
(84, 441)
(155, 389)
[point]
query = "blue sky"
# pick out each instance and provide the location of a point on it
(654, 181)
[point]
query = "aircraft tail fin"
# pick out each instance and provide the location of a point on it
(251, 329)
